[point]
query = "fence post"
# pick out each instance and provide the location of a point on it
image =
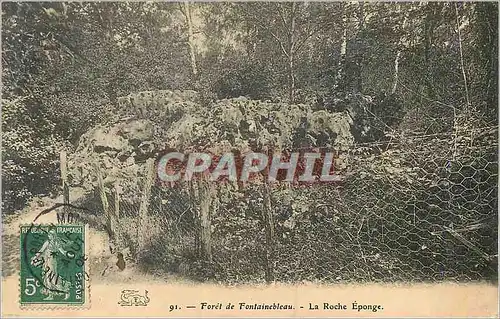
(194, 192)
(267, 217)
(116, 213)
(206, 204)
(65, 187)
(104, 200)
(146, 194)
(267, 213)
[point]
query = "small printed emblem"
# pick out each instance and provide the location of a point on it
(133, 298)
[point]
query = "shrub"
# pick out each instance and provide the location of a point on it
(30, 153)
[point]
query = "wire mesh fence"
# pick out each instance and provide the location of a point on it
(410, 209)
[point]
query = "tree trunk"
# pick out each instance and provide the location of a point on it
(398, 53)
(429, 26)
(488, 30)
(462, 65)
(192, 48)
(291, 49)
(356, 78)
(340, 75)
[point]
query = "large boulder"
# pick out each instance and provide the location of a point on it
(118, 151)
(137, 131)
(157, 120)
(107, 140)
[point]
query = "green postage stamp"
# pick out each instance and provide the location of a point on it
(54, 265)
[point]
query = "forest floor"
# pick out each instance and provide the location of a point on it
(102, 263)
(475, 299)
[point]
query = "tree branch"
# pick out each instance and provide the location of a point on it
(256, 21)
(282, 18)
(320, 27)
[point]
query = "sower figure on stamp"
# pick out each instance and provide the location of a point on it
(52, 280)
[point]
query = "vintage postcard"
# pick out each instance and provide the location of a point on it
(250, 159)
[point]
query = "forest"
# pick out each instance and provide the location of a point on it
(422, 76)
(65, 64)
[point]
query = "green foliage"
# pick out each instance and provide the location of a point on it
(72, 60)
(30, 153)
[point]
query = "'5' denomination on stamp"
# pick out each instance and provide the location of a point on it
(54, 265)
